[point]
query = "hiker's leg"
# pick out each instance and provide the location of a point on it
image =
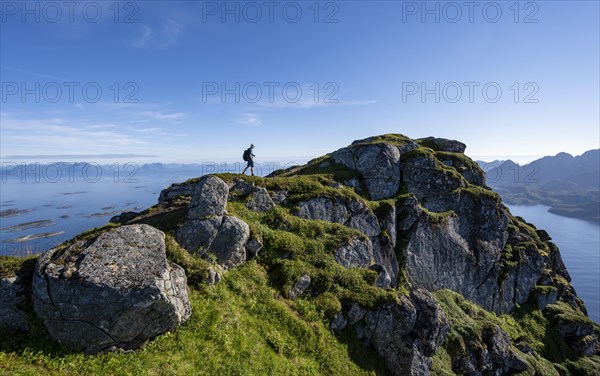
(247, 165)
(252, 170)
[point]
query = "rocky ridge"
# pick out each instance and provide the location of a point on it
(397, 241)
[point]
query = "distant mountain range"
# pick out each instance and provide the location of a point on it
(569, 185)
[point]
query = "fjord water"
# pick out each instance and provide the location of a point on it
(63, 209)
(579, 243)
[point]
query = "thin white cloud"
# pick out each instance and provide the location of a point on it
(58, 136)
(158, 115)
(310, 103)
(33, 73)
(250, 119)
(158, 37)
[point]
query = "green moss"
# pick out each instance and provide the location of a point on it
(294, 246)
(10, 266)
(390, 138)
(196, 269)
(438, 218)
(382, 208)
(459, 160)
(327, 166)
(509, 260)
(526, 322)
(563, 311)
(442, 363)
(583, 366)
(477, 191)
(419, 152)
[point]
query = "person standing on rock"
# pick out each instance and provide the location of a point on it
(249, 158)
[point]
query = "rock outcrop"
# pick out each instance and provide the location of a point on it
(398, 241)
(455, 233)
(115, 291)
(378, 163)
(208, 230)
(492, 353)
(405, 334)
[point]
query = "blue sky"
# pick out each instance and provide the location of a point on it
(368, 61)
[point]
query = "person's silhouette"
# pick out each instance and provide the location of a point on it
(249, 157)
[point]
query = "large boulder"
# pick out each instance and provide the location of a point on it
(115, 291)
(222, 236)
(208, 198)
(208, 231)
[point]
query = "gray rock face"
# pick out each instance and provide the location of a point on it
(326, 209)
(214, 277)
(431, 326)
(379, 164)
(543, 299)
(209, 198)
(260, 200)
(384, 254)
(357, 254)
(409, 211)
(224, 237)
(424, 178)
(229, 243)
(115, 291)
(440, 257)
(299, 287)
(197, 236)
(353, 214)
(13, 295)
(408, 334)
(405, 334)
(462, 251)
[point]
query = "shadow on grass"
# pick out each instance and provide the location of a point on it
(364, 357)
(37, 340)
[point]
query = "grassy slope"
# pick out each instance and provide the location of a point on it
(239, 327)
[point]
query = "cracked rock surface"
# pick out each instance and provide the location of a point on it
(115, 291)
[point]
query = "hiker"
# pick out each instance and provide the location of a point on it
(249, 157)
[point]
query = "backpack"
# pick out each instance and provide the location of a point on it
(246, 155)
